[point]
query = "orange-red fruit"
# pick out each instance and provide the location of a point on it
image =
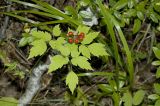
(76, 41)
(70, 40)
(82, 34)
(80, 38)
(70, 33)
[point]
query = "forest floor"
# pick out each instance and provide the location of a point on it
(12, 55)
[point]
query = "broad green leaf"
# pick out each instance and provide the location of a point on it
(61, 40)
(106, 88)
(131, 3)
(65, 51)
(141, 6)
(137, 26)
(156, 52)
(140, 15)
(158, 4)
(157, 7)
(72, 81)
(73, 50)
(153, 17)
(157, 103)
(153, 96)
(157, 88)
(81, 62)
(8, 101)
(41, 35)
(39, 47)
(120, 4)
(57, 62)
(27, 39)
(158, 72)
(90, 37)
(97, 49)
(85, 51)
(156, 63)
(138, 97)
(55, 44)
(56, 31)
(23, 42)
(127, 99)
(83, 29)
(86, 14)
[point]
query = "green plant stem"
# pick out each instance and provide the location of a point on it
(111, 21)
(112, 34)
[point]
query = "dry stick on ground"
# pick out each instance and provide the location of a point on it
(34, 84)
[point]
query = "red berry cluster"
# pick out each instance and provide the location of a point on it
(74, 38)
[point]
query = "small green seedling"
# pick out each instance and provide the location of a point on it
(74, 48)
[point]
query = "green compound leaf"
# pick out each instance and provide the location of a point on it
(8, 101)
(65, 51)
(83, 29)
(140, 15)
(55, 44)
(81, 62)
(73, 49)
(27, 39)
(41, 35)
(97, 49)
(57, 62)
(39, 47)
(85, 51)
(56, 30)
(59, 45)
(127, 99)
(61, 40)
(72, 81)
(156, 52)
(138, 97)
(90, 37)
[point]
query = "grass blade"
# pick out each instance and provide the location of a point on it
(19, 17)
(37, 12)
(107, 15)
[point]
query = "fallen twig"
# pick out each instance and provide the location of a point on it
(33, 85)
